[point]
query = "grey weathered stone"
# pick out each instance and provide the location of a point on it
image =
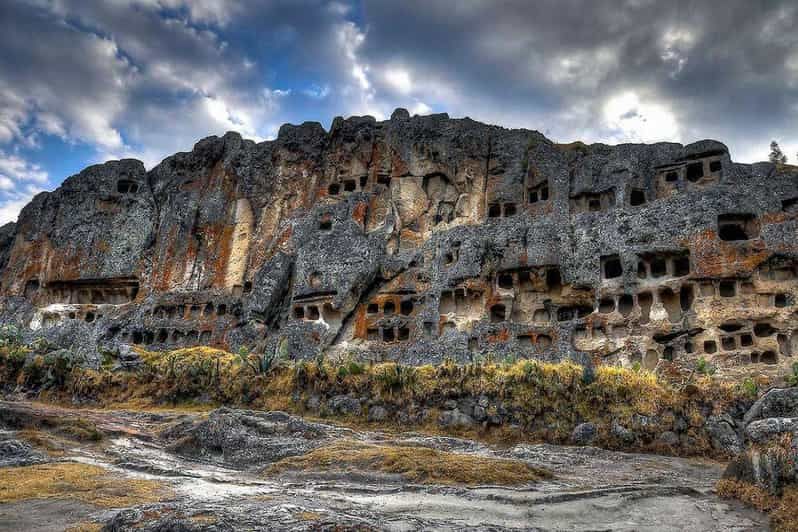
(763, 430)
(345, 405)
(669, 438)
(778, 402)
(584, 434)
(15, 453)
(314, 403)
(377, 413)
(248, 439)
(722, 433)
(625, 435)
(455, 419)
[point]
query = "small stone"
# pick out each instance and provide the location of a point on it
(345, 405)
(622, 433)
(455, 419)
(495, 419)
(377, 413)
(669, 438)
(584, 434)
(314, 402)
(479, 413)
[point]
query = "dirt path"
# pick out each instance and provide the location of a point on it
(592, 489)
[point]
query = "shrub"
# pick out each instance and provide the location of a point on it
(703, 367)
(395, 377)
(750, 387)
(792, 379)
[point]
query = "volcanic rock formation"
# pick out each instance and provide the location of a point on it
(415, 239)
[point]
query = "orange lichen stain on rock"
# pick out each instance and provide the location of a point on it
(501, 336)
(359, 213)
(411, 238)
(398, 166)
(224, 249)
(361, 325)
(164, 263)
(769, 218)
(716, 258)
(63, 264)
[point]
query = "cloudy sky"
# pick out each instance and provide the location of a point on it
(84, 81)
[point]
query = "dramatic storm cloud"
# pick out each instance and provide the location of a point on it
(84, 81)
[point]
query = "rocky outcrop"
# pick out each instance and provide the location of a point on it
(15, 453)
(770, 459)
(247, 439)
(415, 239)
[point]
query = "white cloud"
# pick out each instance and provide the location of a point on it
(210, 11)
(399, 80)
(11, 206)
(349, 40)
(583, 68)
(420, 108)
(317, 92)
(13, 113)
(15, 168)
(632, 120)
(676, 44)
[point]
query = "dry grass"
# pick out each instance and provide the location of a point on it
(86, 483)
(308, 516)
(415, 464)
(85, 527)
(48, 443)
(783, 510)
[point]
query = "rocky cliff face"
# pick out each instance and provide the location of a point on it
(416, 239)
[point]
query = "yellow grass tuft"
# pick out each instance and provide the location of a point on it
(415, 464)
(85, 527)
(85, 483)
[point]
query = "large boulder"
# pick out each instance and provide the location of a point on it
(247, 439)
(778, 402)
(723, 434)
(771, 432)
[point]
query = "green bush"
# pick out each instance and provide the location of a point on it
(750, 387)
(395, 377)
(792, 380)
(703, 367)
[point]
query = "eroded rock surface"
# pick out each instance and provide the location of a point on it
(416, 239)
(589, 488)
(769, 459)
(248, 439)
